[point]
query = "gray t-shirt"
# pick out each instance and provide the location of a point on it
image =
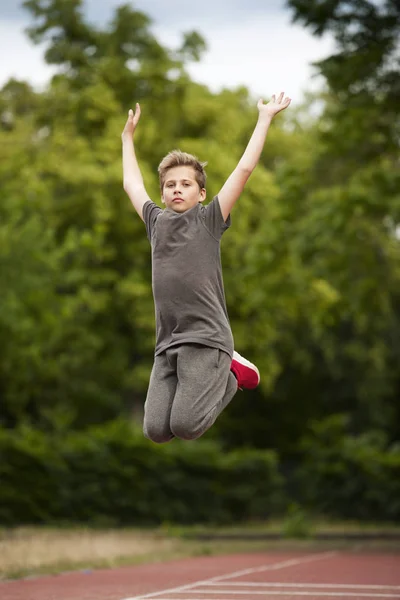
(187, 279)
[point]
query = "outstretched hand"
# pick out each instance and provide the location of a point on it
(133, 119)
(274, 106)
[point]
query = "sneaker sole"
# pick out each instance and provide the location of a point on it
(246, 363)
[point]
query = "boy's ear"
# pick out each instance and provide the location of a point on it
(203, 194)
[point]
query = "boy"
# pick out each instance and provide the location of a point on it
(196, 372)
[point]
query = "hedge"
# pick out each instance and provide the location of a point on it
(349, 476)
(112, 475)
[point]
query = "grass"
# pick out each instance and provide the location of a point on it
(296, 519)
(33, 551)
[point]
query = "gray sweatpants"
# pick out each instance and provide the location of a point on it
(189, 386)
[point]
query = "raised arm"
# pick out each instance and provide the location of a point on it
(133, 180)
(235, 183)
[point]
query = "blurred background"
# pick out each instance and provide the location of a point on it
(311, 263)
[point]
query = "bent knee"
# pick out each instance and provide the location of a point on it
(156, 434)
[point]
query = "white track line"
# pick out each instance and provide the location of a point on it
(280, 565)
(352, 586)
(291, 594)
(341, 594)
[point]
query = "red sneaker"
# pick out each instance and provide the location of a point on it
(247, 374)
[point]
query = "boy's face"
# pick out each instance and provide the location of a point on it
(181, 190)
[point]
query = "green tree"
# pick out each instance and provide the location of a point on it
(361, 120)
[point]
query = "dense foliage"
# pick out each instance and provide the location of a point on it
(111, 475)
(311, 265)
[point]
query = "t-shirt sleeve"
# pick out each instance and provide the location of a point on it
(214, 221)
(150, 214)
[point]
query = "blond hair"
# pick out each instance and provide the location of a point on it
(177, 158)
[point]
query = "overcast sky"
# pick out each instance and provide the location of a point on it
(250, 42)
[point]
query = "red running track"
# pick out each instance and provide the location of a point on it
(269, 576)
